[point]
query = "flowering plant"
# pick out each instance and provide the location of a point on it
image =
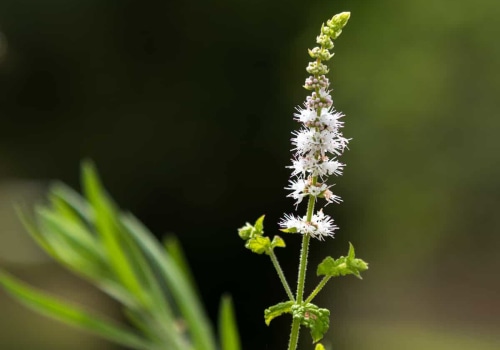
(91, 236)
(317, 145)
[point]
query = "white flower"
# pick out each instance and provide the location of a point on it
(317, 190)
(299, 189)
(319, 227)
(303, 187)
(331, 198)
(316, 167)
(305, 115)
(330, 167)
(330, 119)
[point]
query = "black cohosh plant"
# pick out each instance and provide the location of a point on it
(317, 146)
(92, 237)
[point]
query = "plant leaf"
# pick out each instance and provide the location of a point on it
(67, 313)
(259, 225)
(314, 318)
(277, 310)
(228, 330)
(174, 249)
(189, 305)
(278, 242)
(258, 244)
(342, 266)
(106, 224)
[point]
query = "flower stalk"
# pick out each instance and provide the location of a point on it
(317, 146)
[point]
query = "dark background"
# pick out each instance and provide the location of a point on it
(186, 108)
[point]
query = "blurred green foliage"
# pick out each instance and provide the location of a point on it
(112, 250)
(186, 107)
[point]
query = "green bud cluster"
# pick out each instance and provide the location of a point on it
(317, 68)
(337, 23)
(329, 32)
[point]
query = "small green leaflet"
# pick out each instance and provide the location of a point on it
(258, 244)
(342, 266)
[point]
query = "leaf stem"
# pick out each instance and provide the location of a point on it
(318, 288)
(281, 275)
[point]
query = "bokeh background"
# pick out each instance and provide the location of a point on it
(186, 108)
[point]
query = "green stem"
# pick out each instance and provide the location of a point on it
(317, 289)
(281, 274)
(294, 334)
(302, 268)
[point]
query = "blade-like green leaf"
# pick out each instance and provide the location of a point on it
(82, 209)
(174, 249)
(109, 286)
(63, 209)
(106, 224)
(74, 200)
(228, 330)
(64, 248)
(35, 233)
(190, 306)
(76, 236)
(170, 337)
(135, 268)
(73, 315)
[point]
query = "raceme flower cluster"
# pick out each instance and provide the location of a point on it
(319, 141)
(317, 145)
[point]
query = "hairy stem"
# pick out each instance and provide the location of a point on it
(281, 275)
(317, 289)
(294, 334)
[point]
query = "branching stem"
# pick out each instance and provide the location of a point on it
(281, 275)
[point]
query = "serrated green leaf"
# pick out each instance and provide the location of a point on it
(258, 244)
(278, 242)
(277, 310)
(259, 225)
(70, 314)
(327, 267)
(314, 318)
(228, 330)
(341, 267)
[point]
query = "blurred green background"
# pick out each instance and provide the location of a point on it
(186, 108)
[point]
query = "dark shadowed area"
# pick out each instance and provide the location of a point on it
(186, 109)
